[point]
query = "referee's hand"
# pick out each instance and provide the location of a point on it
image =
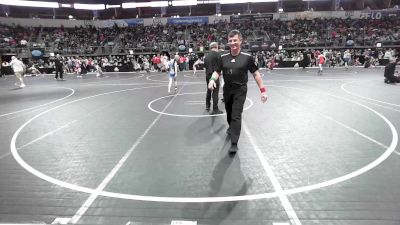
(264, 97)
(212, 85)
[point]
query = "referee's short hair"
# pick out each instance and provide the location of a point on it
(213, 45)
(235, 32)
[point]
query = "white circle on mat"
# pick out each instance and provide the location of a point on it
(301, 189)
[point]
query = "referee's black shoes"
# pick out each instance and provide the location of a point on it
(233, 149)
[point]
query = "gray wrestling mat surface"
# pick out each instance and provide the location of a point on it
(120, 150)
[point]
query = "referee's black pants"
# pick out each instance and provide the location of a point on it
(213, 93)
(59, 70)
(234, 96)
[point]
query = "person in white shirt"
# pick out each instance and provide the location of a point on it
(173, 72)
(164, 61)
(99, 71)
(388, 54)
(146, 65)
(346, 59)
(18, 68)
(198, 62)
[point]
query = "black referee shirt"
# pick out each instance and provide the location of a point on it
(235, 68)
(58, 62)
(212, 63)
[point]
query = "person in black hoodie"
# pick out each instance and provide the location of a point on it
(390, 70)
(211, 63)
(59, 67)
(306, 59)
(84, 67)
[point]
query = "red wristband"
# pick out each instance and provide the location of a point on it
(263, 90)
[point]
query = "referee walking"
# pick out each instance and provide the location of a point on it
(211, 63)
(234, 67)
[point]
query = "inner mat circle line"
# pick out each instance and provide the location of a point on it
(166, 81)
(182, 115)
(363, 97)
(38, 106)
(103, 80)
(327, 183)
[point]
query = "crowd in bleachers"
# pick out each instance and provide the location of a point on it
(334, 32)
(296, 33)
(78, 40)
(82, 65)
(265, 59)
(170, 37)
(356, 57)
(321, 34)
(16, 36)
